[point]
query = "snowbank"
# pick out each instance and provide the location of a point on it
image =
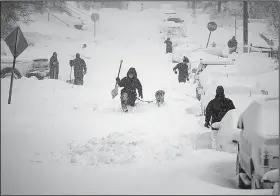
(229, 132)
(254, 63)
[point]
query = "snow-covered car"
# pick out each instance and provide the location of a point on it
(165, 24)
(204, 78)
(37, 67)
(228, 133)
(40, 69)
(183, 49)
(175, 19)
(258, 146)
(22, 67)
(273, 177)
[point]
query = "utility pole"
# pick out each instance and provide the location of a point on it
(279, 34)
(245, 26)
(219, 6)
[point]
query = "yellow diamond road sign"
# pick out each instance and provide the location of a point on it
(16, 42)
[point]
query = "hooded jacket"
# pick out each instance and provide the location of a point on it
(218, 107)
(80, 67)
(232, 43)
(131, 84)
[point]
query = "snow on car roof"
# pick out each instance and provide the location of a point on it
(267, 113)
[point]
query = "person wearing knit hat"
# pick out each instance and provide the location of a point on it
(216, 110)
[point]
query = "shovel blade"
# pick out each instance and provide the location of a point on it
(114, 92)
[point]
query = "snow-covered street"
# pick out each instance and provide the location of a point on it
(59, 138)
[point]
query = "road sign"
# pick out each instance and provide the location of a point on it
(94, 17)
(16, 42)
(212, 26)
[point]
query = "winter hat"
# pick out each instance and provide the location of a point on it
(185, 59)
(132, 70)
(77, 55)
(220, 90)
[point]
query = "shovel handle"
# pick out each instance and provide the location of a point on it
(119, 70)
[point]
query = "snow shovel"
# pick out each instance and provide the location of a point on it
(70, 81)
(114, 92)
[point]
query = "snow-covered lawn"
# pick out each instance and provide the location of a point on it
(62, 139)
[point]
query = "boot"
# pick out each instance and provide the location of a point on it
(124, 100)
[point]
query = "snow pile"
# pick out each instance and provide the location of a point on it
(261, 114)
(253, 64)
(273, 176)
(113, 149)
(229, 132)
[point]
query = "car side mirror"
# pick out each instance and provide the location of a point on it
(240, 124)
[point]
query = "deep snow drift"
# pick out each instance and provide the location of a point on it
(63, 139)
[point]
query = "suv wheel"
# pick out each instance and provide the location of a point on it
(7, 72)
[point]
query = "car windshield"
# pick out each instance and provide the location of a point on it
(174, 19)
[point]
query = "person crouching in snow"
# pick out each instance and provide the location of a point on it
(168, 45)
(216, 110)
(183, 70)
(130, 84)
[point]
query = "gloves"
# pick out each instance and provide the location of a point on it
(141, 95)
(118, 79)
(175, 72)
(207, 125)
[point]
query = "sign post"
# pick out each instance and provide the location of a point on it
(212, 26)
(17, 44)
(94, 18)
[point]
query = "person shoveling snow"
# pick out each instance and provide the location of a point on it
(130, 84)
(80, 69)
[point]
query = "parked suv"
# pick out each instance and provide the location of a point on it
(28, 68)
(258, 146)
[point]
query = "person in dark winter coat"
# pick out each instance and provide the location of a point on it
(130, 84)
(183, 70)
(80, 69)
(54, 67)
(232, 44)
(168, 45)
(218, 107)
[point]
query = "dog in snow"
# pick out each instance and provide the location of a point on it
(159, 97)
